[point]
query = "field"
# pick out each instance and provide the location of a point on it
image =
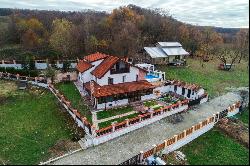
(214, 148)
(209, 77)
(31, 124)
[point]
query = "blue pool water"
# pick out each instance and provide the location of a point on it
(150, 77)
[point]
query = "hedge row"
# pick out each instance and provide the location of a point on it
(31, 73)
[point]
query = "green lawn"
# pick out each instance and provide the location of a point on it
(213, 80)
(70, 91)
(214, 148)
(31, 122)
(244, 116)
(113, 112)
(150, 103)
(108, 123)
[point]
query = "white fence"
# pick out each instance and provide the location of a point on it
(39, 64)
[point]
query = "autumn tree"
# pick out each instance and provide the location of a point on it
(125, 35)
(32, 33)
(242, 43)
(61, 38)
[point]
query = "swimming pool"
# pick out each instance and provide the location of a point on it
(150, 76)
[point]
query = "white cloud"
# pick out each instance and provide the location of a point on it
(223, 13)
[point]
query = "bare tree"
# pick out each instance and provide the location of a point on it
(227, 54)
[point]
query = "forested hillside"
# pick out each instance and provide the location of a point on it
(123, 32)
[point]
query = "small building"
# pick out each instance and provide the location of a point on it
(112, 81)
(170, 53)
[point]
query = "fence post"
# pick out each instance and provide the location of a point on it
(165, 141)
(185, 133)
(154, 147)
(151, 114)
(175, 138)
(74, 111)
(141, 157)
(93, 130)
(139, 117)
(127, 122)
(113, 126)
(200, 125)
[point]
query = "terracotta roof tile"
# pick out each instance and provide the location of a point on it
(83, 66)
(110, 90)
(103, 68)
(95, 57)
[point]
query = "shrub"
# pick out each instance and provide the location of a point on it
(31, 73)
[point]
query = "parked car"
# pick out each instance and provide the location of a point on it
(225, 66)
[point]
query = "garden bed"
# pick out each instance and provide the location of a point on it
(113, 112)
(118, 120)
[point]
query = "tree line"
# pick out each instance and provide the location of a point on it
(123, 32)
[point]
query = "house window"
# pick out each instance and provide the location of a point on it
(177, 57)
(137, 77)
(110, 80)
(175, 88)
(123, 78)
(183, 91)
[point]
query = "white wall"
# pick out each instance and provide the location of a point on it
(113, 103)
(118, 78)
(148, 97)
(87, 76)
(16, 66)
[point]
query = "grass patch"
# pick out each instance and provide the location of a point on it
(209, 77)
(150, 103)
(244, 116)
(157, 107)
(108, 123)
(113, 112)
(70, 91)
(214, 148)
(31, 122)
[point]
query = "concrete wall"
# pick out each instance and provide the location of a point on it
(112, 104)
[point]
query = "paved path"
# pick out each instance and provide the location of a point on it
(127, 146)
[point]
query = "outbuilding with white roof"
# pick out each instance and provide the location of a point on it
(166, 53)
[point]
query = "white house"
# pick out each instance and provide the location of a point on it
(111, 81)
(166, 53)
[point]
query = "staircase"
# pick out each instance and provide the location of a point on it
(138, 106)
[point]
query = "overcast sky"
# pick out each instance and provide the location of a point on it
(221, 13)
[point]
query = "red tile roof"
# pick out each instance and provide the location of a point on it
(110, 90)
(103, 68)
(95, 57)
(83, 66)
